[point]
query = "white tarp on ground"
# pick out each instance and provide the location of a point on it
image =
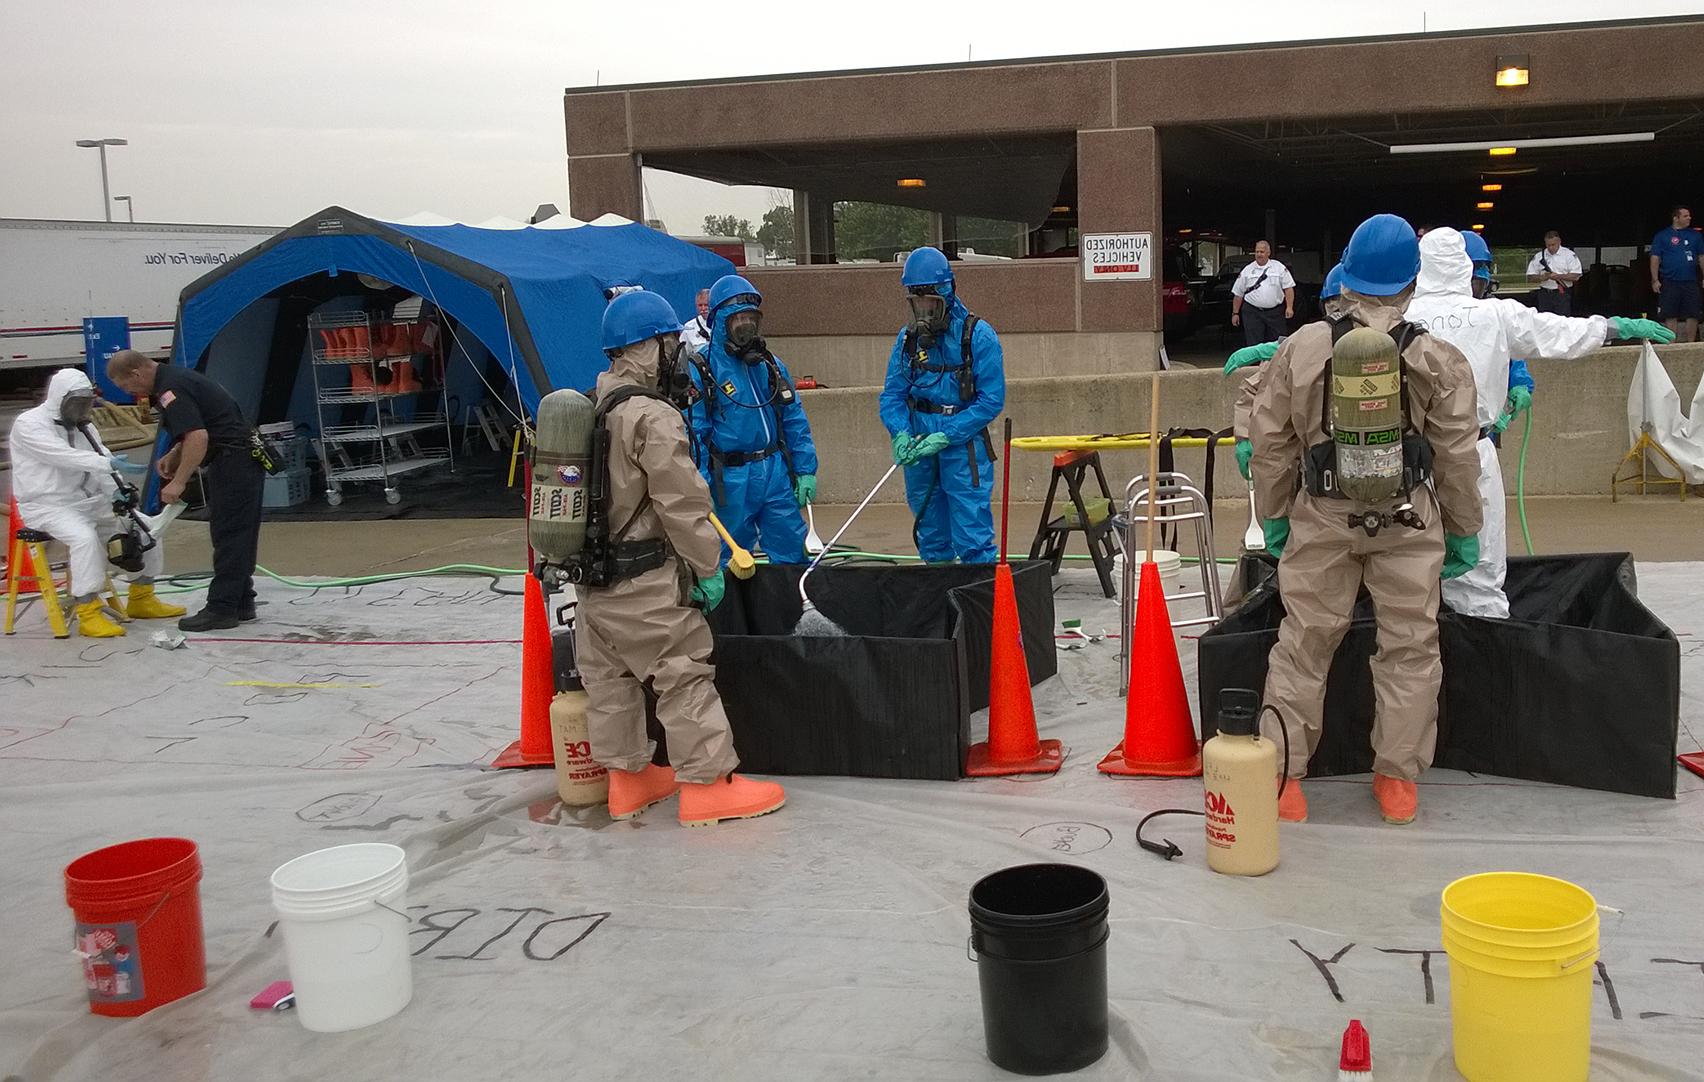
(826, 941)
(1652, 398)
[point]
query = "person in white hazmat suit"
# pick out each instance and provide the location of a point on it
(62, 479)
(1488, 331)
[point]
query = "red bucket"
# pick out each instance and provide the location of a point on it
(138, 910)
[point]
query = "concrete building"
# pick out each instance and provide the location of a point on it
(1294, 141)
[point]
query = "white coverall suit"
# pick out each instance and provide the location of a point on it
(1488, 331)
(1326, 561)
(643, 628)
(62, 479)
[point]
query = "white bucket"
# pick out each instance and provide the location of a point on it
(1170, 565)
(343, 914)
(1171, 571)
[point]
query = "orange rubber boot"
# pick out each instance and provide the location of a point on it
(1398, 799)
(732, 797)
(1292, 805)
(632, 791)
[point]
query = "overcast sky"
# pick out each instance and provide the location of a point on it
(262, 112)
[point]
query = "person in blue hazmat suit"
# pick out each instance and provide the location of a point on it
(946, 383)
(752, 439)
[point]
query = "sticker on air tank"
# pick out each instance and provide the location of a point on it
(112, 964)
(554, 503)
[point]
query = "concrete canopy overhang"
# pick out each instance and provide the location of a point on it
(1013, 178)
(1223, 175)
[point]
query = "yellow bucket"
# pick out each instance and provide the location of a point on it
(1521, 949)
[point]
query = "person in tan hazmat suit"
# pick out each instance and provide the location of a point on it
(1330, 544)
(649, 626)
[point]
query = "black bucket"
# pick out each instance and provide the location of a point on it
(1038, 932)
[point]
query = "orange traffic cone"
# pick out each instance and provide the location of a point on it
(29, 585)
(1012, 747)
(538, 686)
(1159, 733)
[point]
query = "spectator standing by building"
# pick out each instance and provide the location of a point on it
(1555, 269)
(1263, 298)
(1674, 275)
(696, 334)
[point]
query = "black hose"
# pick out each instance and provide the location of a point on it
(1168, 849)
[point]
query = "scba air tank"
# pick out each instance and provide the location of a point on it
(1240, 773)
(561, 476)
(1366, 415)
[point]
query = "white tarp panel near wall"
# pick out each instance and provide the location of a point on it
(825, 941)
(1678, 430)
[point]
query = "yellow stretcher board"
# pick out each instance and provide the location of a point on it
(1123, 441)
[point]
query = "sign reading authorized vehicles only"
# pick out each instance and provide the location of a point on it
(1117, 257)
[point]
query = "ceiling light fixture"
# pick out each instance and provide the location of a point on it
(912, 182)
(1513, 70)
(1490, 187)
(1484, 204)
(1509, 146)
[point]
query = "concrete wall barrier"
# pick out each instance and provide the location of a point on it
(1579, 424)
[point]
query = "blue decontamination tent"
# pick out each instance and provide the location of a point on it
(532, 295)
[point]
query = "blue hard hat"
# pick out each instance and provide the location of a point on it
(731, 290)
(1477, 249)
(636, 316)
(1333, 283)
(1383, 257)
(926, 267)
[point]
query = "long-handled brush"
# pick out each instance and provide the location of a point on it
(739, 559)
(812, 622)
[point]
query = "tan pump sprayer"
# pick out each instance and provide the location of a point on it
(1237, 768)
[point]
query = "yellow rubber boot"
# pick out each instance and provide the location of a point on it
(141, 604)
(92, 622)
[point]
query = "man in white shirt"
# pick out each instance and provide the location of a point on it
(696, 334)
(1263, 298)
(1555, 269)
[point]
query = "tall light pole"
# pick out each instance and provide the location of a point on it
(101, 145)
(129, 207)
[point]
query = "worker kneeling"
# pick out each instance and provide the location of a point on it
(643, 625)
(754, 442)
(64, 481)
(1364, 469)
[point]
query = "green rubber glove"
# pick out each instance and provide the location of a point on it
(902, 445)
(804, 488)
(1277, 534)
(1460, 554)
(1250, 355)
(932, 444)
(1641, 328)
(1520, 400)
(1245, 454)
(709, 590)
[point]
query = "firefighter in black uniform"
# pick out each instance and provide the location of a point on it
(208, 431)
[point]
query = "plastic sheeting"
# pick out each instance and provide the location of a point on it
(825, 941)
(1652, 398)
